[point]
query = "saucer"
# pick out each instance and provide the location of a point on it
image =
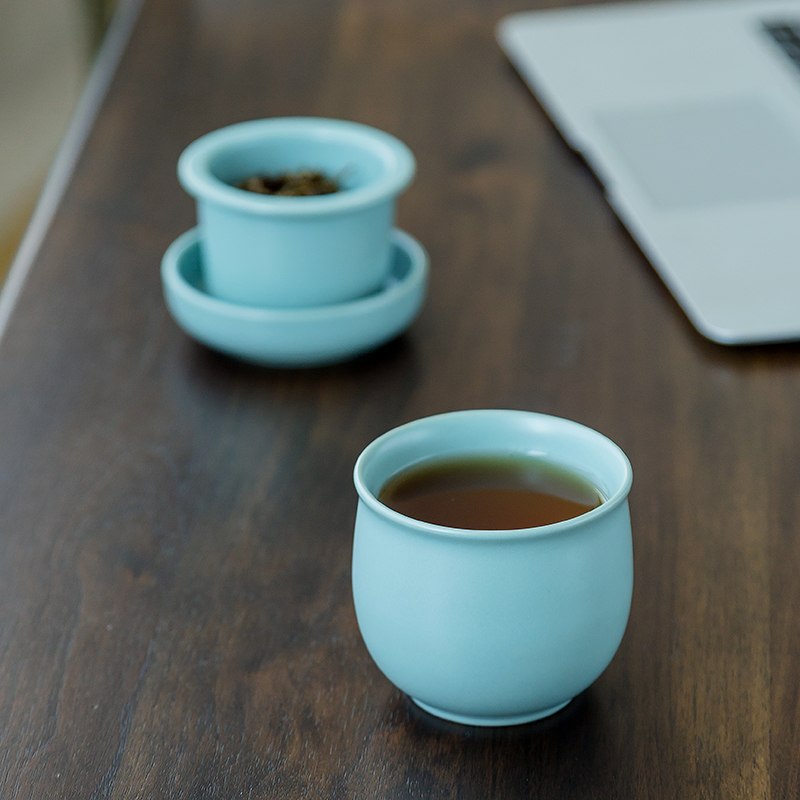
(294, 337)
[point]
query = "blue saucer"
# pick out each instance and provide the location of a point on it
(296, 337)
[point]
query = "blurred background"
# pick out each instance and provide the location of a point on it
(46, 51)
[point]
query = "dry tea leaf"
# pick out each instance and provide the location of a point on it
(290, 184)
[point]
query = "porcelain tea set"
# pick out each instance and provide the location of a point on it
(295, 281)
(478, 627)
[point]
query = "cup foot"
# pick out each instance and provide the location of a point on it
(520, 719)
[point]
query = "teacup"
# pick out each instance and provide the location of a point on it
(493, 627)
(295, 252)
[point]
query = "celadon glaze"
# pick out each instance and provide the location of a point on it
(493, 627)
(296, 252)
(294, 337)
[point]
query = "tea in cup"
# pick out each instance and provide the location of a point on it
(492, 561)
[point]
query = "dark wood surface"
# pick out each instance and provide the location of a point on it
(175, 527)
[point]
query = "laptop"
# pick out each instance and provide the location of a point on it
(688, 111)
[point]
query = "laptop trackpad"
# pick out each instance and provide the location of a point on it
(730, 151)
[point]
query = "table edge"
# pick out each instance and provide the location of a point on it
(69, 151)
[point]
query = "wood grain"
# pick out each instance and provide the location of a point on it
(175, 609)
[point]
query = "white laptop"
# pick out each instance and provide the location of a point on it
(689, 113)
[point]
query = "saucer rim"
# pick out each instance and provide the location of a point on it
(296, 338)
(388, 294)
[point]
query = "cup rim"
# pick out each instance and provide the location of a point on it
(197, 179)
(427, 528)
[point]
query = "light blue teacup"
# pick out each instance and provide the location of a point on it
(295, 252)
(493, 627)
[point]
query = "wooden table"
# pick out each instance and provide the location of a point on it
(175, 527)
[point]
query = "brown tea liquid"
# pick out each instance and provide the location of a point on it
(490, 492)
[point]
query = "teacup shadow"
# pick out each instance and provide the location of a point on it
(575, 753)
(212, 364)
(424, 724)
